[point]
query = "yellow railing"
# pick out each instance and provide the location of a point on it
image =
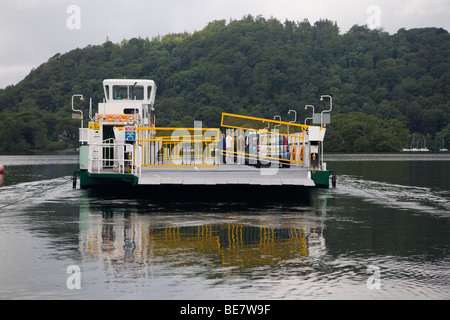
(237, 121)
(179, 146)
(265, 147)
(266, 140)
(254, 141)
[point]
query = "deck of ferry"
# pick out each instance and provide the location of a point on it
(226, 174)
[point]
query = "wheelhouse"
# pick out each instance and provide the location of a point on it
(127, 99)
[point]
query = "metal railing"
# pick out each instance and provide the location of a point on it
(264, 147)
(178, 146)
(267, 140)
(117, 157)
(203, 147)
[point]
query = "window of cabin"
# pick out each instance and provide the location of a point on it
(107, 92)
(130, 111)
(120, 92)
(149, 92)
(137, 92)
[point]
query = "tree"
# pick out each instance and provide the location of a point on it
(254, 66)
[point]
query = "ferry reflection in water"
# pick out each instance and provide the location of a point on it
(221, 242)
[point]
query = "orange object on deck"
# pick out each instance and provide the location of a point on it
(116, 117)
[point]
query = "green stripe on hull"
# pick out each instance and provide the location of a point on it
(321, 178)
(105, 179)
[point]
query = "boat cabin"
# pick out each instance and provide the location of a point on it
(127, 101)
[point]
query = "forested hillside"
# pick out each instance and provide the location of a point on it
(385, 87)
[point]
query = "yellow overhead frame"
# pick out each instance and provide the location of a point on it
(236, 121)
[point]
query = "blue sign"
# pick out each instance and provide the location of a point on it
(130, 133)
(130, 136)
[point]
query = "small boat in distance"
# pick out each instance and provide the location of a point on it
(415, 149)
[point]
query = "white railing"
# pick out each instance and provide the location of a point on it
(83, 134)
(114, 156)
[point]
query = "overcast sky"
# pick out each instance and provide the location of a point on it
(32, 31)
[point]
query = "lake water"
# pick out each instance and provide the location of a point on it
(382, 233)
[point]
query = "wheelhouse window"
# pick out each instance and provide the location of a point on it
(120, 92)
(149, 92)
(128, 92)
(107, 92)
(137, 92)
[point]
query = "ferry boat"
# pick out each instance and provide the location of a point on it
(123, 147)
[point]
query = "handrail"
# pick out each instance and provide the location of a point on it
(187, 148)
(179, 147)
(110, 154)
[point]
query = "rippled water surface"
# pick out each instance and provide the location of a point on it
(382, 233)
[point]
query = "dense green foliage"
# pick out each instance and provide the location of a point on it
(385, 87)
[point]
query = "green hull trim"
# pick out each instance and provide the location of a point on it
(321, 178)
(105, 179)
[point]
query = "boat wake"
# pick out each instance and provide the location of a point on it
(414, 198)
(26, 194)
